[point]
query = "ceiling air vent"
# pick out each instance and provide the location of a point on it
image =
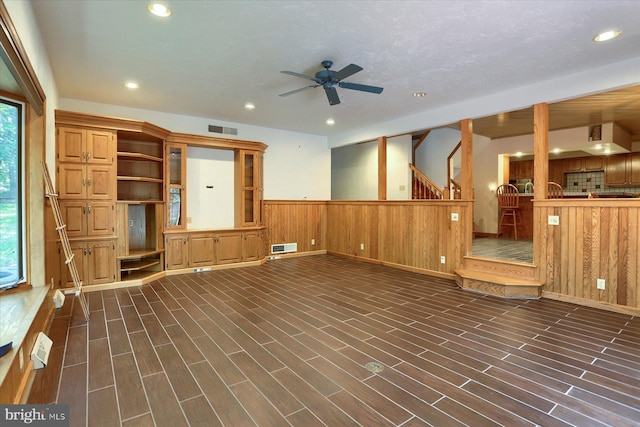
(223, 129)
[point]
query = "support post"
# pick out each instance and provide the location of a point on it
(382, 168)
(540, 150)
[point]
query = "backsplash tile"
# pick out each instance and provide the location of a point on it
(586, 182)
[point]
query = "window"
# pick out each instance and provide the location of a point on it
(12, 230)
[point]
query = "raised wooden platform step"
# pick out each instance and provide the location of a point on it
(497, 284)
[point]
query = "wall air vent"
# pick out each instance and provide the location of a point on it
(223, 129)
(284, 248)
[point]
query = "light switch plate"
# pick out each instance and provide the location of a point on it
(454, 216)
(554, 220)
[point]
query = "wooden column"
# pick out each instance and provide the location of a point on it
(466, 135)
(382, 168)
(540, 150)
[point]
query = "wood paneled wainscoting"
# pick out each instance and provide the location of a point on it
(596, 239)
(408, 234)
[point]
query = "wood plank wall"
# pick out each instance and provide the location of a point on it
(291, 221)
(596, 238)
(412, 234)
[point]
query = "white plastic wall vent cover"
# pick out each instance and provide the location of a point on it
(284, 248)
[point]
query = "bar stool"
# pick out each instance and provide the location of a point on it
(510, 216)
(554, 190)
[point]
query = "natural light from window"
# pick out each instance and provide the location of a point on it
(11, 212)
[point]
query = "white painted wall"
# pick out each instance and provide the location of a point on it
(431, 156)
(616, 75)
(210, 207)
(398, 172)
(354, 172)
(296, 165)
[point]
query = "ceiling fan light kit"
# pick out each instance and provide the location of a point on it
(328, 79)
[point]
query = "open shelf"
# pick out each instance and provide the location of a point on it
(125, 155)
(140, 253)
(136, 265)
(139, 179)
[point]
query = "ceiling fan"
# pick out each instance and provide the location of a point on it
(328, 79)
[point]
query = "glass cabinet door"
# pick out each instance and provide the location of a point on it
(176, 186)
(249, 186)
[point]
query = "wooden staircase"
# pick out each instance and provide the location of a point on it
(506, 279)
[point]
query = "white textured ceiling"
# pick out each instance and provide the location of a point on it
(211, 57)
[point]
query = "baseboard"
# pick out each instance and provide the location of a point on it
(624, 309)
(418, 270)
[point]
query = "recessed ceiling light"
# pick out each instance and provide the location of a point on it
(331, 122)
(249, 106)
(606, 35)
(132, 85)
(519, 154)
(419, 94)
(159, 9)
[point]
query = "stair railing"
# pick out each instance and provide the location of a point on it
(422, 187)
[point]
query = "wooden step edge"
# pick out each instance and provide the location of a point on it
(496, 278)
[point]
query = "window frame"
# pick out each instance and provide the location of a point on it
(22, 266)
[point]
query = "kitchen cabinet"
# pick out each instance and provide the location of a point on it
(522, 169)
(556, 172)
(584, 164)
(622, 169)
(177, 251)
(202, 249)
(252, 246)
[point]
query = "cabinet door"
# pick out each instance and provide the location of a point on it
(100, 216)
(573, 165)
(556, 172)
(79, 251)
(176, 252)
(74, 216)
(71, 145)
(252, 245)
(201, 250)
(633, 166)
(229, 248)
(594, 163)
(101, 262)
(100, 182)
(615, 172)
(100, 147)
(175, 161)
(72, 181)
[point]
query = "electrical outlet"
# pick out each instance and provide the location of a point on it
(454, 216)
(362, 246)
(313, 242)
(554, 220)
(130, 223)
(403, 187)
(443, 260)
(188, 220)
(600, 284)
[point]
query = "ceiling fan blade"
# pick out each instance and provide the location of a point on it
(347, 71)
(298, 90)
(304, 76)
(364, 88)
(332, 95)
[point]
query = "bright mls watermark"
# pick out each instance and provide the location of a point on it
(34, 415)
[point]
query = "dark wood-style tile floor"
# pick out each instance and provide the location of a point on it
(287, 343)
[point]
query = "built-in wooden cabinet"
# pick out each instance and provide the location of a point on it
(82, 145)
(209, 248)
(86, 181)
(622, 169)
(95, 262)
(176, 187)
(88, 218)
(248, 182)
